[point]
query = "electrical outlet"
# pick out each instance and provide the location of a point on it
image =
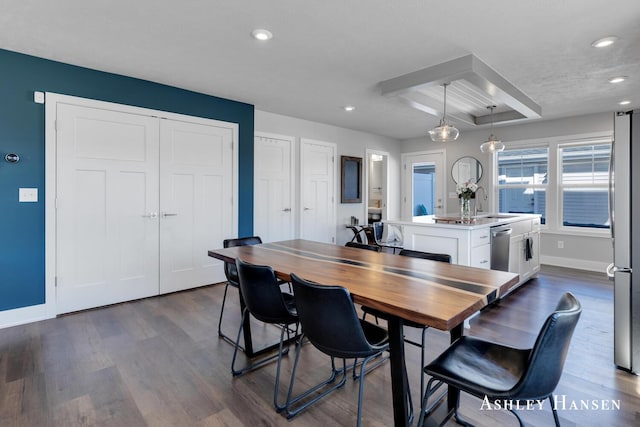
(560, 244)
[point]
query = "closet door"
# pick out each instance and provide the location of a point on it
(318, 172)
(273, 210)
(107, 207)
(196, 206)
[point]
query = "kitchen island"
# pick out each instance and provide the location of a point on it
(507, 241)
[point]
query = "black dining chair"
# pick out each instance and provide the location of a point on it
(266, 302)
(426, 255)
(492, 371)
(232, 278)
(231, 274)
(364, 246)
(330, 323)
(381, 315)
(375, 234)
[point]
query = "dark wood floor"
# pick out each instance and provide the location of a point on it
(159, 362)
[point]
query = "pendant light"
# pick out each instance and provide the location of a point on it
(444, 132)
(492, 144)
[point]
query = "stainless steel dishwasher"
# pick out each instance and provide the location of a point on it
(500, 244)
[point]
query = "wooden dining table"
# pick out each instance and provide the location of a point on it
(435, 294)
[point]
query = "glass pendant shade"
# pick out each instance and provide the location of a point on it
(445, 131)
(492, 145)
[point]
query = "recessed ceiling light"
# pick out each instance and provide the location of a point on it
(618, 79)
(349, 108)
(626, 102)
(605, 41)
(262, 35)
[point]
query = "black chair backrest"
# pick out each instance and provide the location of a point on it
(261, 292)
(378, 228)
(371, 238)
(363, 246)
(230, 268)
(329, 319)
(426, 255)
(547, 357)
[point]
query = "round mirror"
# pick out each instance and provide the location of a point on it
(465, 169)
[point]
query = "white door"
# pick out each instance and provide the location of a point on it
(273, 215)
(423, 184)
(107, 207)
(139, 200)
(195, 202)
(317, 172)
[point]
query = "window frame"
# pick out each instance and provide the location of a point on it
(496, 169)
(561, 186)
(553, 209)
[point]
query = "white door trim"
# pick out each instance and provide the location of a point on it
(52, 100)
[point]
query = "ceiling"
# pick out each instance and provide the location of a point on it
(331, 53)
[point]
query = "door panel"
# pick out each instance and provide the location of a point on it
(273, 192)
(107, 195)
(195, 202)
(318, 173)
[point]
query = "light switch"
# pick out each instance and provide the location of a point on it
(28, 195)
(38, 97)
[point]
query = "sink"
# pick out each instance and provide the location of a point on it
(499, 216)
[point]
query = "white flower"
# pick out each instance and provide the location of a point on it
(466, 189)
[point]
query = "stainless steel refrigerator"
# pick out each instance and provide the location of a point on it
(624, 203)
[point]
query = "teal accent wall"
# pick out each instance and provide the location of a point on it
(22, 131)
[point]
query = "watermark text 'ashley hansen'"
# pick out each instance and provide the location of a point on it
(560, 403)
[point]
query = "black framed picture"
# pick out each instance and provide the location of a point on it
(351, 179)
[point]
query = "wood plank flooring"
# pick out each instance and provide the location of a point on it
(159, 362)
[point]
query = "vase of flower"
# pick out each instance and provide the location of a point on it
(465, 192)
(465, 210)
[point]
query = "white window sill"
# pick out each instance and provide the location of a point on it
(602, 234)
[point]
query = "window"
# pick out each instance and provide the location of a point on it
(522, 180)
(564, 179)
(583, 185)
(424, 189)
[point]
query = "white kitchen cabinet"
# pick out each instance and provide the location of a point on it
(470, 243)
(481, 248)
(481, 256)
(518, 260)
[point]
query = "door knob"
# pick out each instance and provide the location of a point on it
(307, 209)
(286, 210)
(164, 214)
(150, 215)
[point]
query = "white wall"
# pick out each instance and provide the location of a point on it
(350, 143)
(590, 253)
(585, 252)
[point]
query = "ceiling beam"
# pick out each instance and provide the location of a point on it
(472, 70)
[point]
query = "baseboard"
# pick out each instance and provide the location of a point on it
(21, 316)
(579, 264)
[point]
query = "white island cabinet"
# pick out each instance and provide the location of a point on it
(470, 243)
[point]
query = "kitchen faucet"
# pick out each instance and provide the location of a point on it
(477, 206)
